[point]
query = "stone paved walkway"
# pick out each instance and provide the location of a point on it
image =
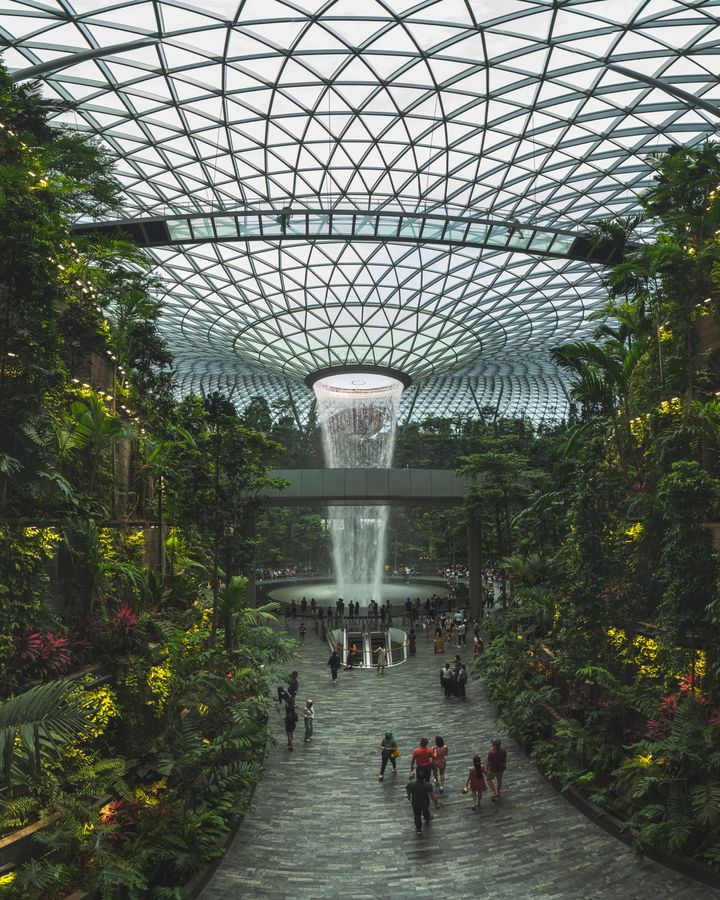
(322, 826)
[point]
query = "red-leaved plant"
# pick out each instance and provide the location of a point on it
(28, 645)
(42, 655)
(125, 626)
(119, 814)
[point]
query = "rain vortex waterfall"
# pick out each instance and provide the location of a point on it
(358, 427)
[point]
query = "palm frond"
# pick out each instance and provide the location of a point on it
(43, 720)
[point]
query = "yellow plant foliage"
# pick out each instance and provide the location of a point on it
(641, 651)
(99, 705)
(634, 532)
(159, 683)
(151, 795)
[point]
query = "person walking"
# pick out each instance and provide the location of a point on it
(302, 631)
(291, 720)
(476, 781)
(439, 640)
(294, 686)
(308, 716)
(334, 662)
(382, 659)
(412, 642)
(495, 767)
(440, 752)
(389, 751)
(461, 633)
(419, 794)
(421, 761)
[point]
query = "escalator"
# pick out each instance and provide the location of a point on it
(366, 643)
(376, 639)
(356, 639)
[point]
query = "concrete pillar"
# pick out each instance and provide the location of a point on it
(475, 565)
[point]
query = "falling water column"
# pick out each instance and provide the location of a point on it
(358, 422)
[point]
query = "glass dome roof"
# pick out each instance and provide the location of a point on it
(528, 112)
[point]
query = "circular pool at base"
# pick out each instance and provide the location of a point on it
(327, 594)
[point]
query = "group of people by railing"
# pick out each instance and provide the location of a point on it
(286, 572)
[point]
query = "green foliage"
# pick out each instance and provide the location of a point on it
(40, 879)
(687, 498)
(23, 578)
(38, 724)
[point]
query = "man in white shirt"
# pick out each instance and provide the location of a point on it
(308, 716)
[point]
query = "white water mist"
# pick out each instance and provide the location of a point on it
(358, 423)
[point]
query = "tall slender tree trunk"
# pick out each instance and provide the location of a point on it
(216, 544)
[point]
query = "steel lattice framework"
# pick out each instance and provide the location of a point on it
(537, 112)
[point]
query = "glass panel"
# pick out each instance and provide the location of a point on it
(542, 240)
(411, 227)
(179, 230)
(499, 235)
(202, 228)
(365, 225)
(456, 231)
(562, 243)
(342, 224)
(226, 227)
(388, 226)
(248, 225)
(477, 232)
(318, 224)
(272, 224)
(433, 229)
(520, 238)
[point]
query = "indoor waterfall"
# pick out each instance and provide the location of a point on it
(358, 422)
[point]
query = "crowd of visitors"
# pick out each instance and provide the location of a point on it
(268, 574)
(453, 679)
(428, 761)
(427, 771)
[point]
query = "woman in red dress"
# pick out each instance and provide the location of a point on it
(476, 781)
(440, 752)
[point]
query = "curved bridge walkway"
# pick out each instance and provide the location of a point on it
(322, 826)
